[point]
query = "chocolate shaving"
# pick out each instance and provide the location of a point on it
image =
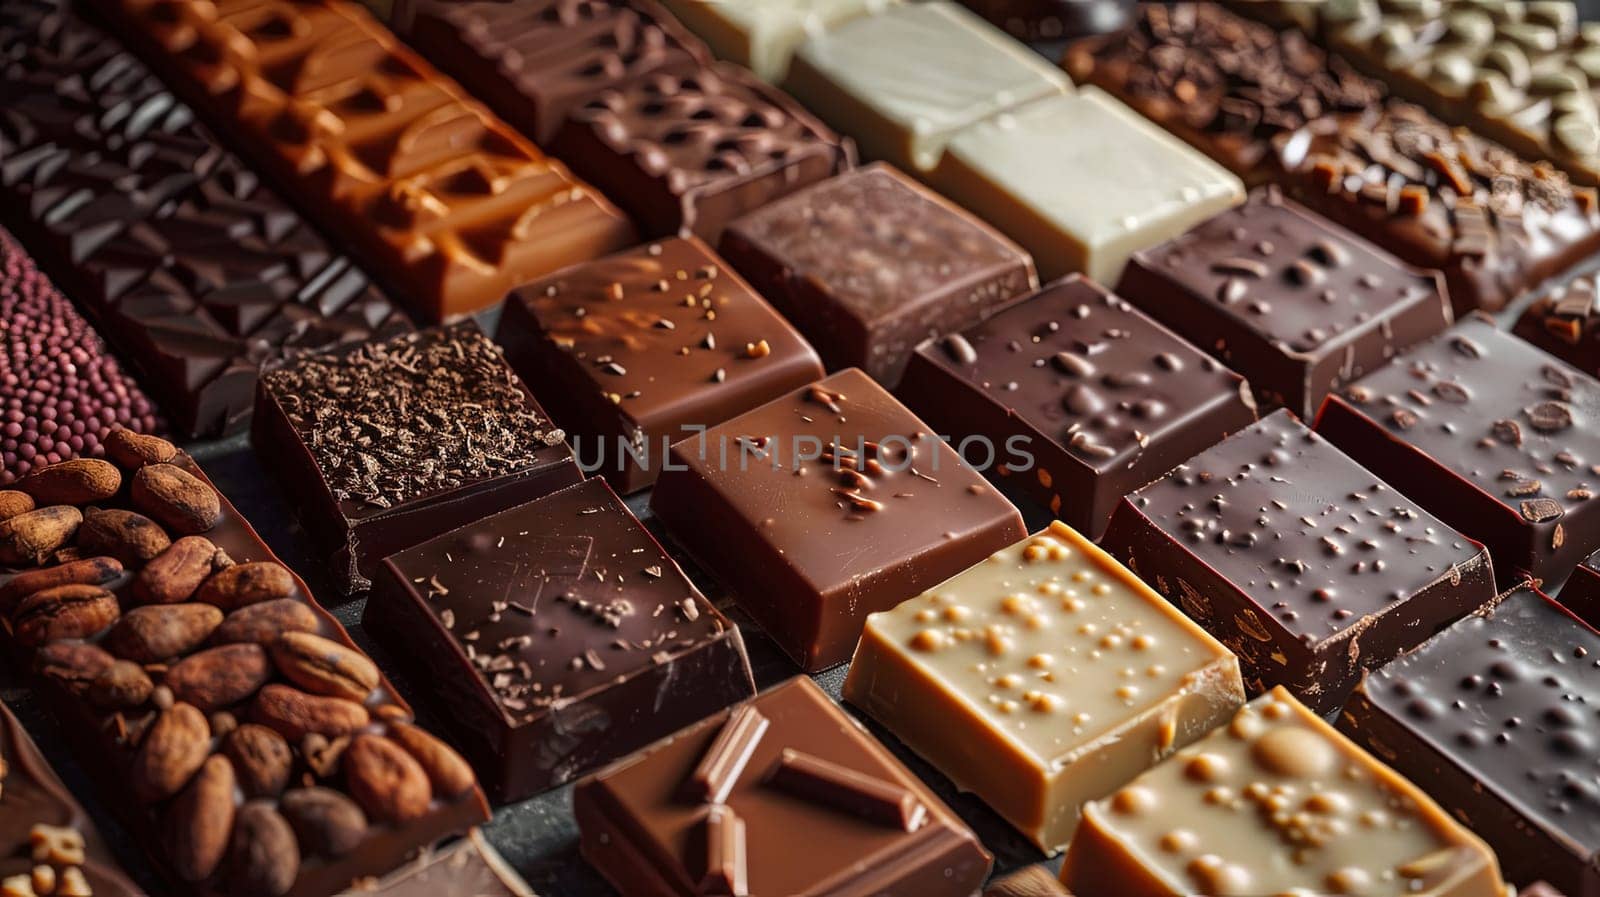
(848, 790)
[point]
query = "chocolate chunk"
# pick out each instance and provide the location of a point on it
(471, 867)
(1565, 321)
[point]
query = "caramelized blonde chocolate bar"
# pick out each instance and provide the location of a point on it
(1275, 803)
(1044, 677)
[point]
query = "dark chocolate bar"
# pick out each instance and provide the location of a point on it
(1581, 592)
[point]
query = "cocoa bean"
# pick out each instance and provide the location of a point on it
(324, 667)
(294, 714)
(30, 538)
(87, 572)
(73, 611)
(220, 677)
(263, 858)
(246, 584)
(172, 751)
(13, 503)
(263, 623)
(123, 686)
(450, 775)
(385, 780)
(159, 632)
(131, 451)
(200, 822)
(176, 498)
(327, 823)
(176, 573)
(133, 539)
(80, 481)
(73, 665)
(261, 758)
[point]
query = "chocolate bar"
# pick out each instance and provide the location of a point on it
(762, 35)
(1490, 434)
(1043, 678)
(1307, 566)
(869, 263)
(1032, 881)
(445, 202)
(1298, 306)
(641, 349)
(685, 153)
(1565, 322)
(1495, 716)
(825, 505)
(1053, 20)
(385, 445)
(533, 63)
(1581, 593)
(716, 809)
(1042, 175)
(905, 81)
(471, 867)
(254, 749)
(194, 270)
(48, 843)
(557, 636)
(1101, 398)
(1274, 802)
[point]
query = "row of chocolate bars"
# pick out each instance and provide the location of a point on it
(260, 753)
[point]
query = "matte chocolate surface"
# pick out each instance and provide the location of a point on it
(826, 505)
(533, 63)
(1498, 717)
(445, 202)
(45, 834)
(644, 348)
(556, 636)
(242, 735)
(1042, 678)
(194, 270)
(1275, 802)
(1310, 568)
(1299, 306)
(1101, 398)
(1494, 223)
(385, 445)
(869, 263)
(1493, 436)
(471, 867)
(686, 153)
(762, 35)
(1050, 20)
(1565, 321)
(784, 769)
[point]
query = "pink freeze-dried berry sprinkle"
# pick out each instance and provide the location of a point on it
(61, 391)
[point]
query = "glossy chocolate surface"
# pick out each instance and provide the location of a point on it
(1499, 717)
(1102, 398)
(1495, 437)
(825, 505)
(557, 636)
(439, 198)
(1565, 321)
(869, 263)
(387, 444)
(1050, 20)
(1306, 565)
(1581, 592)
(686, 153)
(638, 350)
(1299, 306)
(870, 828)
(533, 63)
(192, 268)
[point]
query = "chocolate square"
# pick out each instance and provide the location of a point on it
(385, 445)
(688, 153)
(557, 636)
(870, 263)
(717, 809)
(1306, 565)
(1498, 717)
(825, 505)
(1098, 398)
(1298, 306)
(762, 36)
(639, 350)
(1495, 437)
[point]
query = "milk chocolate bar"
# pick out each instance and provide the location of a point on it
(438, 197)
(471, 867)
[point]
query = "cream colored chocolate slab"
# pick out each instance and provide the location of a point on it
(761, 35)
(1044, 677)
(1082, 182)
(905, 80)
(1276, 802)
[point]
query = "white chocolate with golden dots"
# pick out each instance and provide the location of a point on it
(1044, 677)
(1275, 803)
